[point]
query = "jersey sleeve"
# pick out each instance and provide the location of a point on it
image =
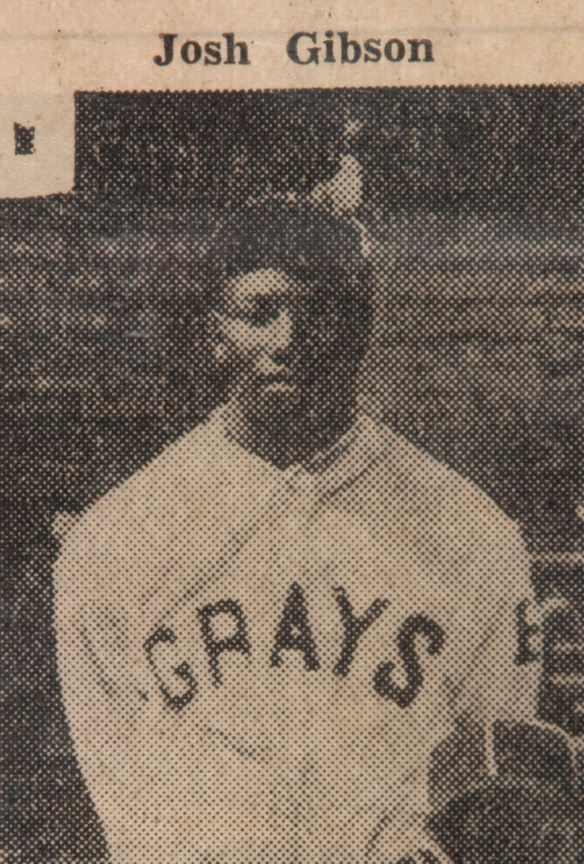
(97, 688)
(407, 842)
(504, 681)
(497, 699)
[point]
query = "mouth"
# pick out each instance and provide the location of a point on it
(284, 381)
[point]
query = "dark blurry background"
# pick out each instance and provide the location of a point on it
(474, 199)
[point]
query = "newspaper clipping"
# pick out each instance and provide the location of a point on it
(292, 343)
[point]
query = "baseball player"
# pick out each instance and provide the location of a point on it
(266, 633)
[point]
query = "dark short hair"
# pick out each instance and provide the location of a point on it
(299, 238)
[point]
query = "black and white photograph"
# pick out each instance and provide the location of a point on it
(292, 480)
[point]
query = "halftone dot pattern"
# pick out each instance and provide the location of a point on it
(292, 481)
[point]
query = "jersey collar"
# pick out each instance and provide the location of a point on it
(364, 443)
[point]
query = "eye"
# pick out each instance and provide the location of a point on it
(262, 311)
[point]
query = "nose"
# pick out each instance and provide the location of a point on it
(281, 336)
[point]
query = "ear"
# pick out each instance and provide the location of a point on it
(216, 337)
(358, 330)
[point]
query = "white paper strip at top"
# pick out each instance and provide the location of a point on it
(37, 144)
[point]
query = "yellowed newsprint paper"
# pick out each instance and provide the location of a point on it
(292, 418)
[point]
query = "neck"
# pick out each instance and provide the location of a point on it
(287, 438)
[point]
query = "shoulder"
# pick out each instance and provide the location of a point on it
(415, 474)
(116, 535)
(431, 486)
(446, 515)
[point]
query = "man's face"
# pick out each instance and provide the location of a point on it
(284, 339)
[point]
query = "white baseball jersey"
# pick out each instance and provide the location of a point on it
(257, 664)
